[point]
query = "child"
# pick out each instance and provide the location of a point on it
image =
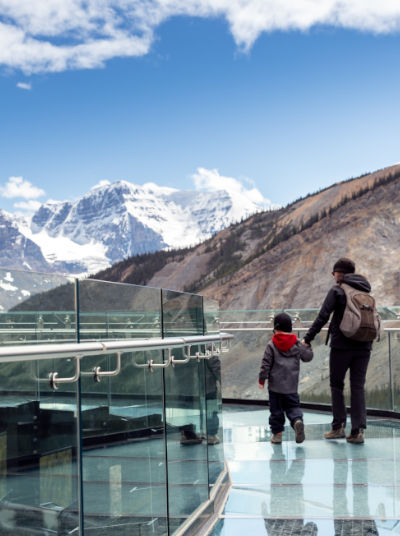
(280, 367)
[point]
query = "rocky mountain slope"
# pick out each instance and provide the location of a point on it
(284, 258)
(114, 221)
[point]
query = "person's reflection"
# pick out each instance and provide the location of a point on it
(213, 397)
(353, 525)
(287, 496)
(212, 385)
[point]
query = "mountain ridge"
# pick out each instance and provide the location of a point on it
(252, 264)
(114, 221)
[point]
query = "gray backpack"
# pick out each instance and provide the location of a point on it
(360, 320)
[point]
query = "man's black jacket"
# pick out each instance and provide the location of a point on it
(335, 302)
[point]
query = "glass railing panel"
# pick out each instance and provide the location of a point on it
(389, 313)
(241, 366)
(211, 316)
(118, 311)
(378, 383)
(395, 367)
(38, 441)
(36, 308)
(213, 397)
(124, 468)
(302, 315)
(38, 451)
(314, 377)
(185, 406)
(236, 319)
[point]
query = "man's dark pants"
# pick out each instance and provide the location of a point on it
(340, 361)
(279, 404)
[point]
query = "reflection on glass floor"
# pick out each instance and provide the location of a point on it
(124, 468)
(317, 488)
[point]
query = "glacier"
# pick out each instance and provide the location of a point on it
(117, 220)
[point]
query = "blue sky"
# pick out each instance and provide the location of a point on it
(287, 110)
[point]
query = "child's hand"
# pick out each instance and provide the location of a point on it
(260, 386)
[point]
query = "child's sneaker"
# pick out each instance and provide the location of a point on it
(335, 434)
(276, 438)
(299, 431)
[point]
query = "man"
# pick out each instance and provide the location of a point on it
(345, 354)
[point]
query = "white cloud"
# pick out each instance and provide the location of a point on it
(18, 187)
(31, 206)
(101, 184)
(94, 31)
(211, 180)
(24, 85)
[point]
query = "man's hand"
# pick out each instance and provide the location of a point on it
(305, 343)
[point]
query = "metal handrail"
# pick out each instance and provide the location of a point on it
(295, 328)
(80, 350)
(34, 352)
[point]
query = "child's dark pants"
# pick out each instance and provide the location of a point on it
(279, 404)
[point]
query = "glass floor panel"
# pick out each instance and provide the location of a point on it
(319, 487)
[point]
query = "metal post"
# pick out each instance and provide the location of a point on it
(391, 379)
(79, 465)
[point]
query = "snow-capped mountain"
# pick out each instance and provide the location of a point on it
(115, 221)
(18, 251)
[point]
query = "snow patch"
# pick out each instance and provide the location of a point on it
(9, 277)
(61, 248)
(8, 286)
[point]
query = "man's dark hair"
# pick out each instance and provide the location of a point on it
(344, 265)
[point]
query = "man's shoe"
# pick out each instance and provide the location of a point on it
(190, 438)
(299, 431)
(335, 434)
(276, 438)
(356, 437)
(213, 439)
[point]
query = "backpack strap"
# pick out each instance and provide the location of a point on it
(328, 335)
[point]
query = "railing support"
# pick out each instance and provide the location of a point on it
(54, 380)
(151, 365)
(182, 361)
(98, 373)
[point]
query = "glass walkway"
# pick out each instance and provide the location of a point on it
(112, 420)
(325, 488)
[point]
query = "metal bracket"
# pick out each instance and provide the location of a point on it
(98, 373)
(54, 380)
(198, 355)
(225, 346)
(216, 348)
(151, 365)
(188, 357)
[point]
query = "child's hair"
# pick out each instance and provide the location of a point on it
(283, 322)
